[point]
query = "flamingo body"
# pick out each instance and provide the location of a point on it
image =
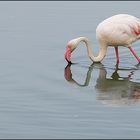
(118, 30)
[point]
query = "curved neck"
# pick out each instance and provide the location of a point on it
(88, 44)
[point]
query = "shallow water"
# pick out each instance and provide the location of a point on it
(43, 97)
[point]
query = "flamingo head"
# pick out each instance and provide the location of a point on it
(70, 47)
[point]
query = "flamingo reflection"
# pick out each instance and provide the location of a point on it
(115, 90)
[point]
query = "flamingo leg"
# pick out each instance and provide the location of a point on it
(133, 52)
(117, 54)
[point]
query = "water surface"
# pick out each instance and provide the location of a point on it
(43, 97)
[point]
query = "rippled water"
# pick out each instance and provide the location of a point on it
(43, 97)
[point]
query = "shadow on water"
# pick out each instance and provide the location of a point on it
(113, 91)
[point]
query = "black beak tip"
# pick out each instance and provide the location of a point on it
(69, 62)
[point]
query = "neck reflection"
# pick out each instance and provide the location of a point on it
(114, 90)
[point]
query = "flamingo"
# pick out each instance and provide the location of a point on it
(117, 30)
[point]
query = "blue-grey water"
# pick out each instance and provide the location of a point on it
(43, 97)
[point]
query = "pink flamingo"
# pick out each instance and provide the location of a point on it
(118, 30)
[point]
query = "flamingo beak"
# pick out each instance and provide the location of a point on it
(68, 55)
